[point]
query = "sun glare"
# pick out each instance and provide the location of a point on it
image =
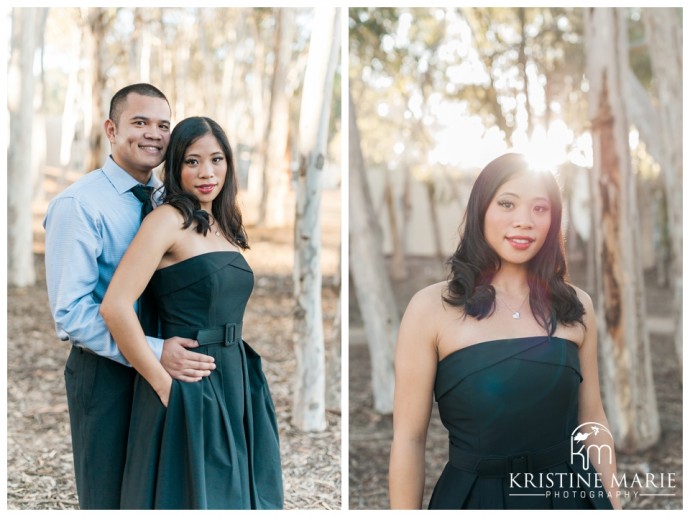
(546, 150)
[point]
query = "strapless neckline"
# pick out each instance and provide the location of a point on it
(206, 254)
(527, 339)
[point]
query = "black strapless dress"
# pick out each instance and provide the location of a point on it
(510, 407)
(216, 444)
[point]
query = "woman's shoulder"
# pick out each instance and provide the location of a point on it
(164, 222)
(428, 301)
(582, 295)
(587, 304)
(165, 214)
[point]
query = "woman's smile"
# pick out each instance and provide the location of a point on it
(520, 242)
(207, 188)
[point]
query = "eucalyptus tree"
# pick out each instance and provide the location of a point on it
(310, 383)
(276, 170)
(369, 274)
(664, 33)
(627, 382)
(20, 101)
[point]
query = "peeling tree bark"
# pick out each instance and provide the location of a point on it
(627, 382)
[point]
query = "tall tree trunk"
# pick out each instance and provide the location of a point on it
(398, 265)
(140, 52)
(522, 61)
(97, 22)
(144, 64)
(309, 405)
(181, 64)
(627, 382)
(39, 140)
(665, 38)
(21, 81)
(70, 111)
(370, 276)
(259, 118)
(226, 101)
(430, 185)
(276, 178)
(333, 355)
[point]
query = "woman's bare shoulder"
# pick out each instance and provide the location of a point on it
(582, 295)
(429, 300)
(164, 217)
(586, 301)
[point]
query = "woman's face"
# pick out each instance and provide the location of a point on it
(203, 170)
(518, 219)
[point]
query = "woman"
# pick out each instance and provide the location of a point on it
(508, 348)
(211, 443)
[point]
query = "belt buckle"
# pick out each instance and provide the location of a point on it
(230, 334)
(520, 463)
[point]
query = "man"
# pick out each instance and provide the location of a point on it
(88, 228)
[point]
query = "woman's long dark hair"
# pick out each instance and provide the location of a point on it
(474, 263)
(224, 207)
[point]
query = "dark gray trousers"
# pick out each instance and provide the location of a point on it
(99, 398)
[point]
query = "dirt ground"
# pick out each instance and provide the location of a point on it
(370, 433)
(39, 456)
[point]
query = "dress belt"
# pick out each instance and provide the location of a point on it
(497, 466)
(223, 335)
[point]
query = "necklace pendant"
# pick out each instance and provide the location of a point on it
(516, 315)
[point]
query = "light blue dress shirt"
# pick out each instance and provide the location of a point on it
(88, 229)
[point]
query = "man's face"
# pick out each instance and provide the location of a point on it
(141, 135)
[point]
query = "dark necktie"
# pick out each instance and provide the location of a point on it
(147, 312)
(143, 194)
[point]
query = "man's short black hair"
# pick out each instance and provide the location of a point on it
(118, 101)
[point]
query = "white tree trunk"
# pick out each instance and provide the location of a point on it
(309, 405)
(627, 382)
(398, 263)
(255, 186)
(226, 104)
(664, 33)
(272, 212)
(21, 81)
(181, 61)
(69, 112)
(333, 362)
(145, 56)
(370, 276)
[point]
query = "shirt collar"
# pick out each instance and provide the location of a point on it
(121, 180)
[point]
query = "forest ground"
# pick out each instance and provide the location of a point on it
(40, 473)
(370, 433)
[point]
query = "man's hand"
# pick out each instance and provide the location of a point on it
(182, 364)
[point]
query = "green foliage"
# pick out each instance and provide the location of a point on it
(406, 64)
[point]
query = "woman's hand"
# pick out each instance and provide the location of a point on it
(164, 390)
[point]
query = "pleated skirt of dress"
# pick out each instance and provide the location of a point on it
(214, 447)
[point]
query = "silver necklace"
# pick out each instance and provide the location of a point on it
(516, 314)
(213, 221)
